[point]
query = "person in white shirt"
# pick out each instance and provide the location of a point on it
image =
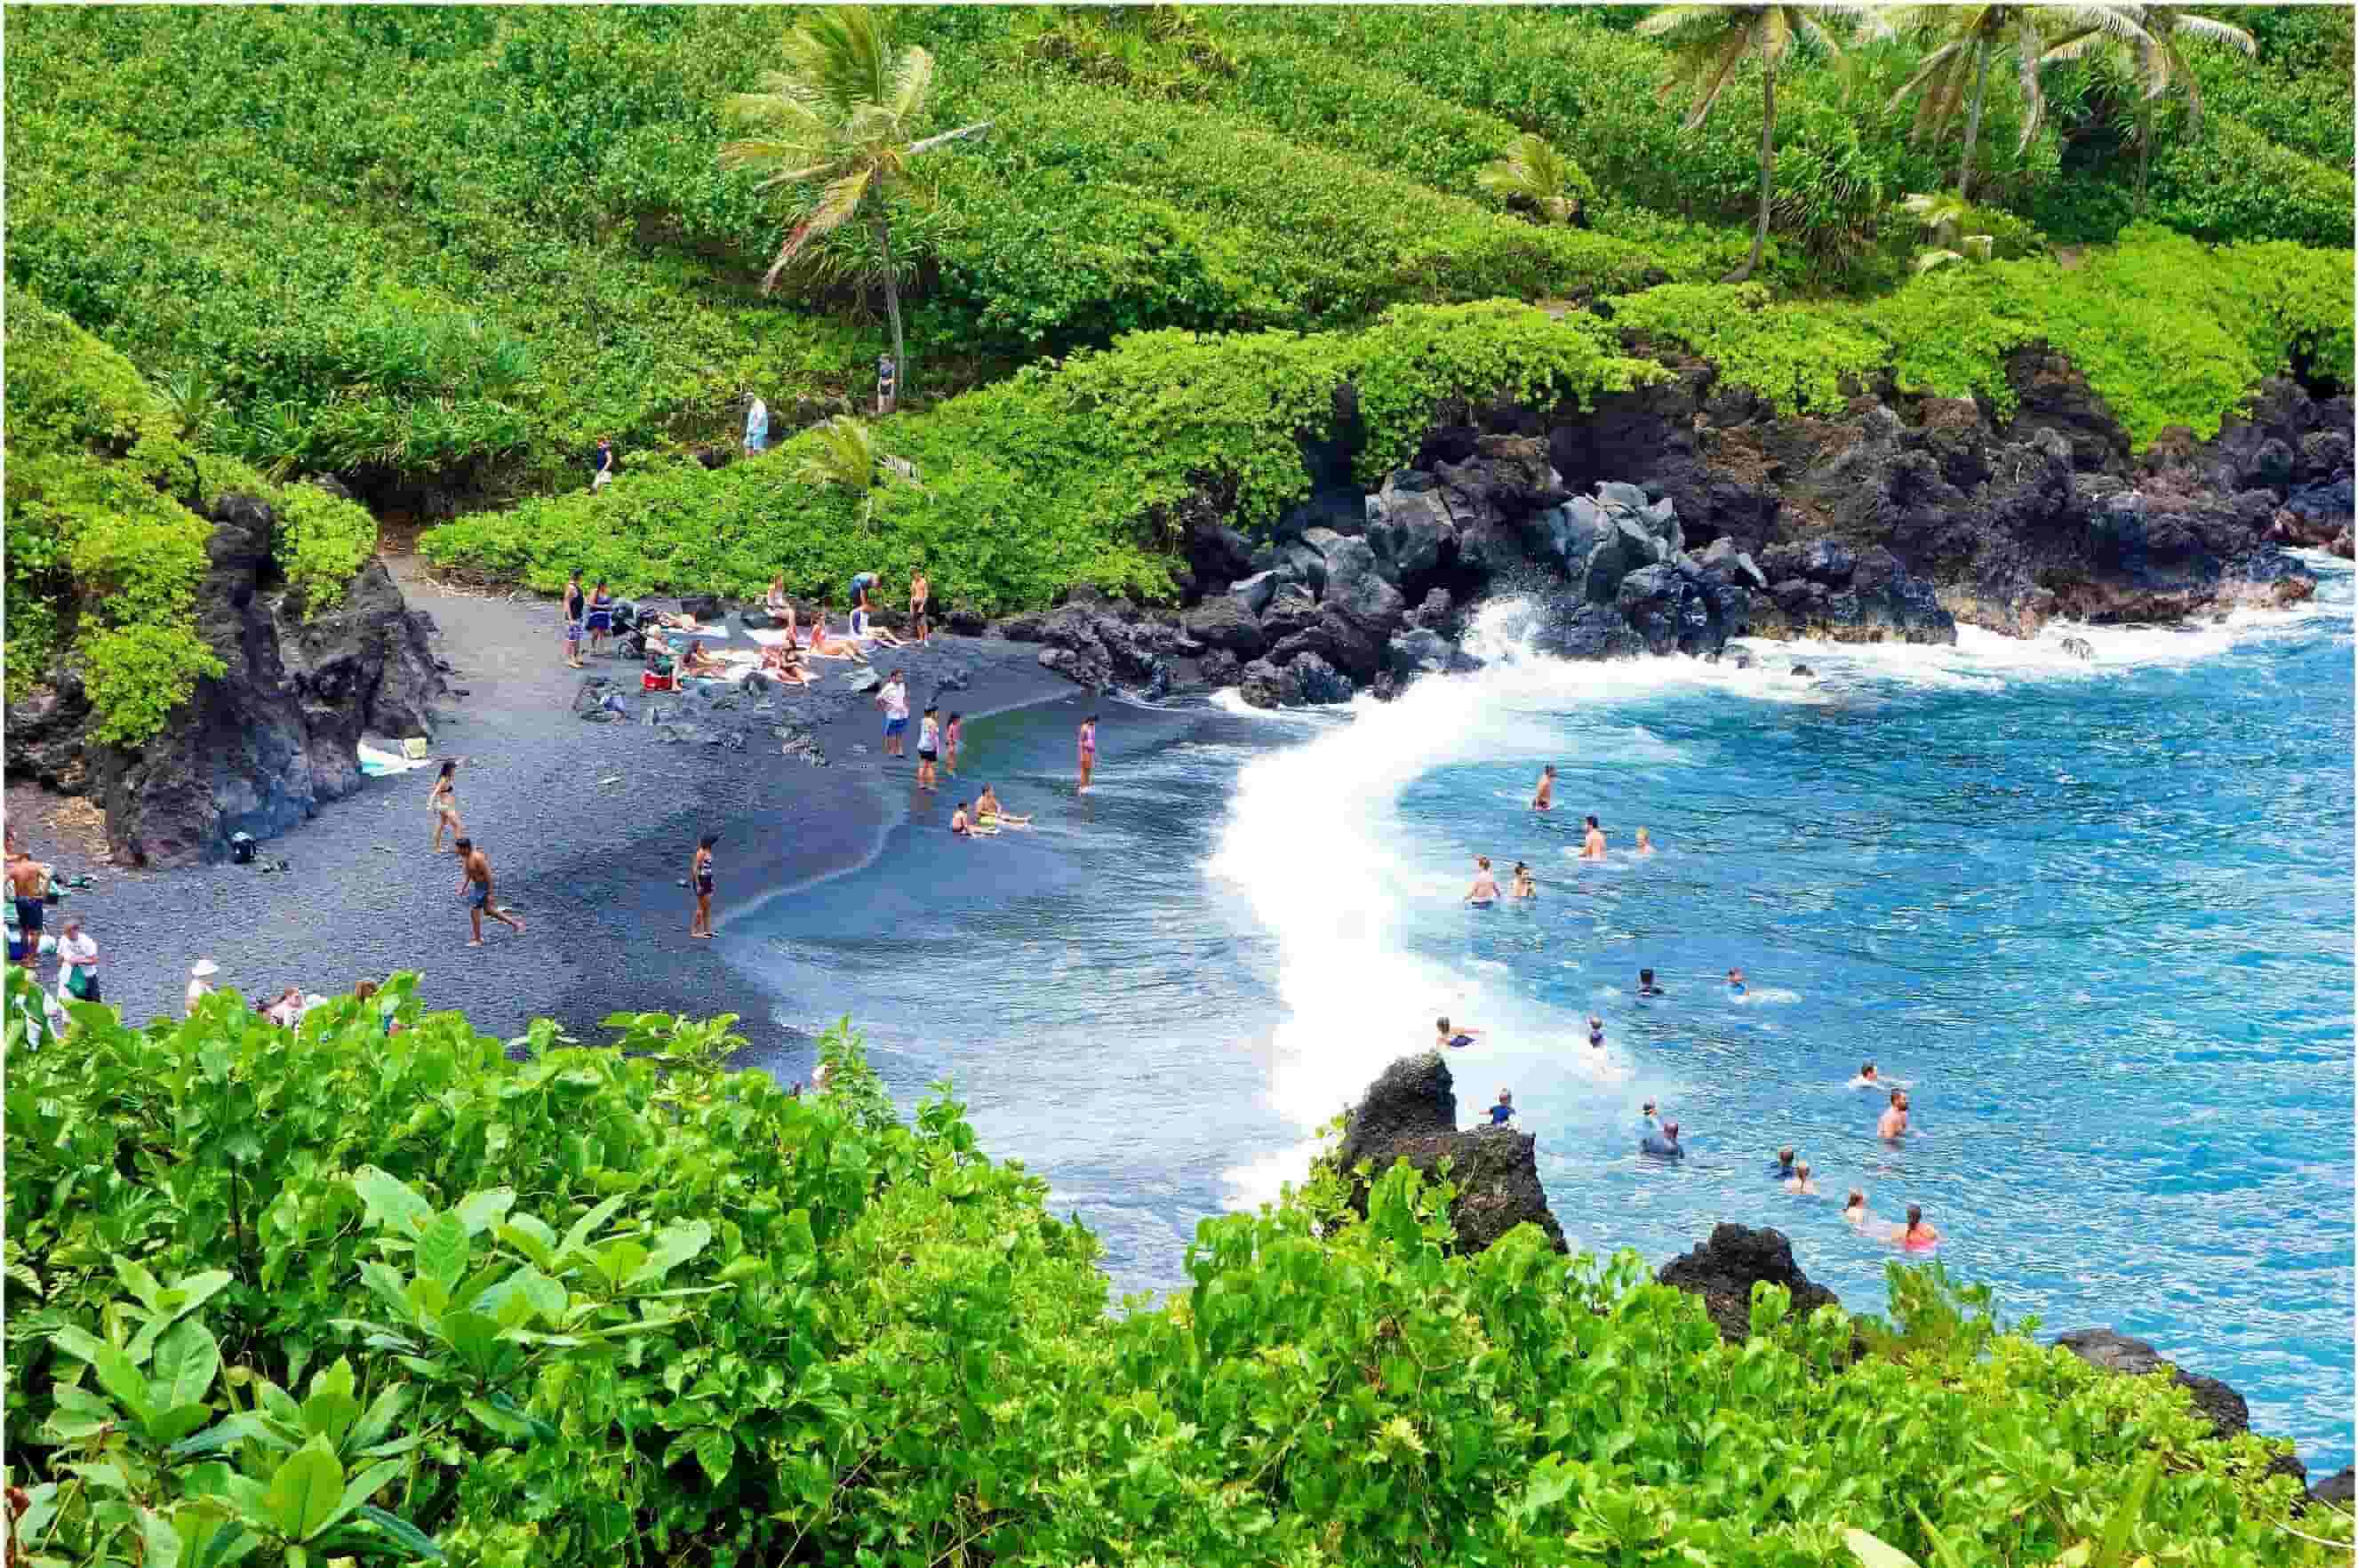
(201, 984)
(78, 963)
(894, 700)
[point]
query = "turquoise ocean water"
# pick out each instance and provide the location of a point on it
(2099, 914)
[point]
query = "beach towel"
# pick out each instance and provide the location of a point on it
(376, 764)
(771, 638)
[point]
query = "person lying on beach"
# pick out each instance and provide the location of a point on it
(988, 810)
(865, 629)
(784, 664)
(697, 662)
(1484, 890)
(1448, 1039)
(823, 647)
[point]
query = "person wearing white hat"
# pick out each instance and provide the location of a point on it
(201, 984)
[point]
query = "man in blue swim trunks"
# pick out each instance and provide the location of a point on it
(894, 700)
(28, 884)
(475, 883)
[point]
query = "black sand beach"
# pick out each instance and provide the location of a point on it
(589, 827)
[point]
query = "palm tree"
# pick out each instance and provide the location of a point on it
(848, 456)
(1535, 172)
(1956, 74)
(840, 113)
(2160, 65)
(1708, 42)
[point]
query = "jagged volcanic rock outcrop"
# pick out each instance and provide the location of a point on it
(1723, 1270)
(1410, 1113)
(261, 746)
(1673, 517)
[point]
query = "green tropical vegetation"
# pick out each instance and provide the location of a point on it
(512, 230)
(345, 1295)
(107, 487)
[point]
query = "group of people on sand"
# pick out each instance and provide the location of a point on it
(589, 616)
(475, 885)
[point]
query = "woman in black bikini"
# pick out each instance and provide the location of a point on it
(700, 878)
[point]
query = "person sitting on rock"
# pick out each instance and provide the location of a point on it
(1504, 1111)
(1664, 1145)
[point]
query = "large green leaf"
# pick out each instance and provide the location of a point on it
(186, 1362)
(306, 1490)
(716, 1447)
(333, 1407)
(483, 1210)
(442, 1250)
(674, 1244)
(115, 1372)
(392, 1203)
(403, 1533)
(159, 1544)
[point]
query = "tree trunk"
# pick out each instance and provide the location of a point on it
(1767, 169)
(1974, 121)
(2144, 153)
(893, 307)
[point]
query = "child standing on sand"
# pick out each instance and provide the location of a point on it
(929, 746)
(1088, 749)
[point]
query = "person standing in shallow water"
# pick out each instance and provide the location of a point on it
(1592, 843)
(475, 883)
(1088, 749)
(699, 878)
(1892, 1125)
(1543, 798)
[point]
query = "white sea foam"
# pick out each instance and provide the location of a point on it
(1316, 842)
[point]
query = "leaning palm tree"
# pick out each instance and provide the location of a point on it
(1535, 172)
(848, 459)
(839, 115)
(1956, 74)
(2158, 64)
(1708, 42)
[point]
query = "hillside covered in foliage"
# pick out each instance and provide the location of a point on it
(438, 251)
(339, 1295)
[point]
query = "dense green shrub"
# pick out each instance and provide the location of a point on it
(336, 1293)
(1057, 476)
(2233, 183)
(105, 530)
(2169, 331)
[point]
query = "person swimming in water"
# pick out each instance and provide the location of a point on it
(1783, 1170)
(1799, 1184)
(1646, 986)
(1595, 1032)
(1504, 1111)
(1855, 1210)
(1918, 1237)
(1448, 1039)
(1484, 890)
(1735, 982)
(1664, 1145)
(1892, 1125)
(1592, 843)
(1868, 1078)
(1523, 886)
(1645, 842)
(1544, 798)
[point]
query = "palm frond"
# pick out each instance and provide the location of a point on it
(912, 86)
(2166, 19)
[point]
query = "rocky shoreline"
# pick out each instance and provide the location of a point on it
(1410, 1114)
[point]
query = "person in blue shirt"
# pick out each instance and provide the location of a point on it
(1664, 1145)
(1504, 1111)
(1735, 982)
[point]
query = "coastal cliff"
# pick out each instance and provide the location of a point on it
(1673, 517)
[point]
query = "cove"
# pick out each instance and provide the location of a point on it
(2098, 912)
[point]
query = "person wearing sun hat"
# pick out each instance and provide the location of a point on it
(201, 983)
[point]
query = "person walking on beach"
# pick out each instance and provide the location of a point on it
(475, 883)
(78, 963)
(929, 745)
(1592, 843)
(201, 985)
(1089, 749)
(443, 802)
(1892, 1125)
(1544, 798)
(699, 879)
(601, 466)
(894, 700)
(757, 426)
(920, 593)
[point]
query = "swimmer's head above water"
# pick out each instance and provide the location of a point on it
(1856, 1200)
(1785, 1157)
(1866, 1071)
